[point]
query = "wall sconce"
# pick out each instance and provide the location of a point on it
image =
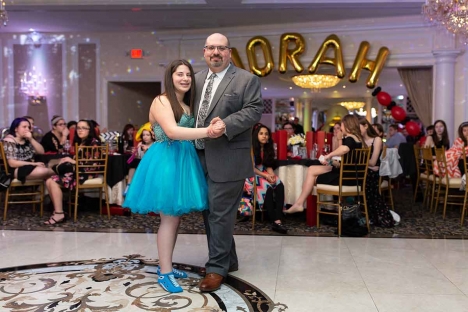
(34, 86)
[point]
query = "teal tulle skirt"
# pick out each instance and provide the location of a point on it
(168, 180)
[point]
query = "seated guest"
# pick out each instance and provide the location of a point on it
(379, 130)
(379, 214)
(54, 140)
(127, 135)
(429, 132)
(337, 136)
(440, 137)
(20, 147)
(328, 172)
(298, 128)
(85, 136)
(289, 127)
(270, 190)
(146, 137)
(395, 138)
(454, 154)
(31, 121)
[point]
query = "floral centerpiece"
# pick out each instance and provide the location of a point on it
(297, 139)
(296, 145)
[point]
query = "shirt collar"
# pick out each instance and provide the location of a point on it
(220, 75)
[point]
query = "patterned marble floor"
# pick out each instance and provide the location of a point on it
(296, 273)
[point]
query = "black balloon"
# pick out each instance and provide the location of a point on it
(376, 91)
(392, 105)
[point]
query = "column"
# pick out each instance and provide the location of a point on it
(307, 113)
(444, 88)
(368, 107)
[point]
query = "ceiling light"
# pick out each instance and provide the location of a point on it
(3, 13)
(315, 82)
(351, 106)
(452, 14)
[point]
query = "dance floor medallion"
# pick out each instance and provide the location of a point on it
(125, 284)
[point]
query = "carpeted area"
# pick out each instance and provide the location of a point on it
(416, 222)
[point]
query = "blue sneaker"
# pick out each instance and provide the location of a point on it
(177, 273)
(168, 283)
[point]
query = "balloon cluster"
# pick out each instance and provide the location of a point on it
(398, 113)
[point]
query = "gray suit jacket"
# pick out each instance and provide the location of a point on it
(238, 102)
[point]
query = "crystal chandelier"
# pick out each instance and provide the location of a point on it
(351, 106)
(315, 82)
(34, 86)
(3, 13)
(452, 14)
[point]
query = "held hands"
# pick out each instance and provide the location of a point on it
(216, 128)
(271, 178)
(65, 132)
(39, 164)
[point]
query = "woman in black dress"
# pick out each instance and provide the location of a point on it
(329, 171)
(20, 148)
(54, 140)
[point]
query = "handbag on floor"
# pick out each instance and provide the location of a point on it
(352, 220)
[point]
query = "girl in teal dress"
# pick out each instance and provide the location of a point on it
(170, 180)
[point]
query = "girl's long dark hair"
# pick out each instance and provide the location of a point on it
(189, 97)
(91, 135)
(371, 133)
(268, 149)
(460, 132)
(445, 138)
(125, 135)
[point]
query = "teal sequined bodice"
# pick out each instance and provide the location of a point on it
(186, 121)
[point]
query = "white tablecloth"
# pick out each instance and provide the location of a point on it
(293, 177)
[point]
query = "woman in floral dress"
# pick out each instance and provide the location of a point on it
(85, 136)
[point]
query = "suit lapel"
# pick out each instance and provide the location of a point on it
(200, 82)
(222, 86)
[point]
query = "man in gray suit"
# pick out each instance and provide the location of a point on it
(224, 92)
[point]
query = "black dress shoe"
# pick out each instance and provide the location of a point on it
(278, 227)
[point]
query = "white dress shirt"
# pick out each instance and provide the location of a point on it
(217, 80)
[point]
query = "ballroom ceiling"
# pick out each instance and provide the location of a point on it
(162, 15)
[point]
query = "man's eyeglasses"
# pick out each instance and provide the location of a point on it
(61, 124)
(220, 48)
(288, 128)
(81, 128)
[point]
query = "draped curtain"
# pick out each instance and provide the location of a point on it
(418, 83)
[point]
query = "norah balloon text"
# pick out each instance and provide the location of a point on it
(292, 46)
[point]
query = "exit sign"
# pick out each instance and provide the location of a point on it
(136, 53)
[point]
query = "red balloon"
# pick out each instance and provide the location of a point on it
(412, 128)
(398, 113)
(384, 98)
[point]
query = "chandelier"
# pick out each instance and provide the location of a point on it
(3, 13)
(452, 14)
(34, 86)
(315, 82)
(351, 106)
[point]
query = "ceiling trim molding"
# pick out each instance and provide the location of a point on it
(343, 26)
(107, 2)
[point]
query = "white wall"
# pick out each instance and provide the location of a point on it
(411, 43)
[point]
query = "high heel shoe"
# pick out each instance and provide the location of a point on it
(293, 209)
(48, 222)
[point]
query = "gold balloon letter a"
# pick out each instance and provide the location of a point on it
(251, 56)
(331, 42)
(375, 67)
(292, 55)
